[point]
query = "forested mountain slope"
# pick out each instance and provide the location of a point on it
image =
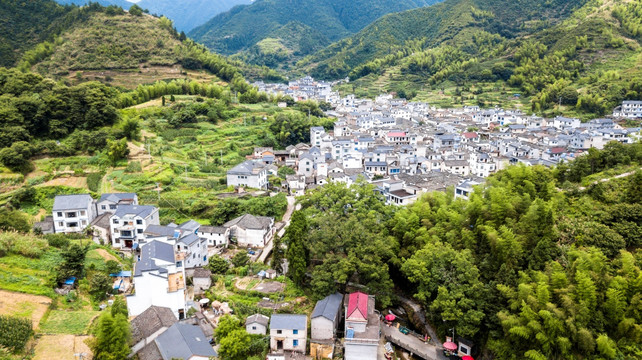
(328, 20)
(584, 55)
(125, 49)
(24, 24)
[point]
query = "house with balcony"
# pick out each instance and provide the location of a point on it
(361, 327)
(72, 213)
(288, 333)
(128, 225)
(159, 279)
(109, 202)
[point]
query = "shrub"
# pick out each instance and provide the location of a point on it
(23, 244)
(57, 240)
(14, 332)
(94, 180)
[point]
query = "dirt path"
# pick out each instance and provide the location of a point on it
(106, 255)
(582, 188)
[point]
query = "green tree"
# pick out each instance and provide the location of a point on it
(17, 156)
(117, 150)
(113, 337)
(297, 254)
(11, 220)
(136, 10)
(99, 285)
(235, 345)
(119, 307)
(278, 255)
(226, 325)
(73, 262)
(131, 128)
(240, 259)
(218, 265)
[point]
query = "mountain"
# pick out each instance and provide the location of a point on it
(123, 49)
(578, 56)
(246, 26)
(186, 14)
(24, 24)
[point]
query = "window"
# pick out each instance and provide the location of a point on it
(117, 241)
(59, 214)
(253, 327)
(60, 223)
(112, 206)
(73, 224)
(115, 221)
(83, 222)
(295, 332)
(71, 214)
(279, 331)
(139, 222)
(82, 213)
(139, 231)
(295, 342)
(103, 207)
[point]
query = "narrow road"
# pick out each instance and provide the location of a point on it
(286, 220)
(419, 311)
(582, 188)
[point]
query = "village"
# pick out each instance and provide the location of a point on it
(403, 148)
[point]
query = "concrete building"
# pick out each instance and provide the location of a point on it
(251, 231)
(202, 280)
(323, 324)
(361, 327)
(251, 173)
(215, 235)
(108, 203)
(72, 213)
(128, 224)
(257, 324)
(288, 332)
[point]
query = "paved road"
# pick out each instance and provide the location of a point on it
(286, 220)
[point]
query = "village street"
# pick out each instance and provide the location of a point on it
(286, 222)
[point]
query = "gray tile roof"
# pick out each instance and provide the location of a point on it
(116, 197)
(191, 225)
(138, 210)
(182, 341)
(202, 273)
(189, 239)
(149, 252)
(249, 221)
(160, 230)
(257, 318)
(248, 167)
(102, 221)
(288, 321)
(150, 321)
(328, 307)
(150, 352)
(71, 202)
(212, 229)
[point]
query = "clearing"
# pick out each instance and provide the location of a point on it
(71, 181)
(68, 322)
(24, 305)
(106, 255)
(61, 347)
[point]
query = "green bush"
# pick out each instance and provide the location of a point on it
(57, 240)
(28, 245)
(94, 180)
(14, 332)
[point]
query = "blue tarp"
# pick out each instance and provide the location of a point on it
(117, 286)
(70, 281)
(122, 273)
(135, 246)
(262, 273)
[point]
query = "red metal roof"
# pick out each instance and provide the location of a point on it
(470, 135)
(358, 306)
(558, 150)
(396, 134)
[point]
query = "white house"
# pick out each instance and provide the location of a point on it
(202, 280)
(159, 279)
(109, 202)
(193, 249)
(72, 213)
(257, 324)
(129, 223)
(250, 173)
(288, 332)
(251, 231)
(361, 327)
(629, 109)
(215, 235)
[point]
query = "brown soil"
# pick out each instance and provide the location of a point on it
(32, 306)
(106, 255)
(61, 347)
(71, 181)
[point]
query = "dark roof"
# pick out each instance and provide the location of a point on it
(248, 167)
(191, 225)
(150, 321)
(212, 229)
(249, 221)
(149, 252)
(139, 210)
(160, 230)
(257, 318)
(102, 221)
(71, 202)
(150, 352)
(328, 307)
(189, 239)
(289, 321)
(202, 273)
(182, 341)
(46, 225)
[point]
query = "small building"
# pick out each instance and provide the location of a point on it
(202, 280)
(361, 327)
(251, 173)
(148, 325)
(72, 213)
(251, 231)
(215, 235)
(184, 341)
(257, 324)
(101, 228)
(129, 222)
(324, 323)
(288, 332)
(108, 203)
(46, 226)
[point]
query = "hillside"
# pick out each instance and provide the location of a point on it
(582, 56)
(24, 24)
(245, 26)
(122, 49)
(186, 14)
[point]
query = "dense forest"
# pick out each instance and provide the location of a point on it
(581, 54)
(524, 269)
(238, 29)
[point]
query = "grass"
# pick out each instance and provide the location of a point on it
(31, 276)
(68, 322)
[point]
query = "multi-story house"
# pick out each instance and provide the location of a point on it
(251, 231)
(128, 225)
(251, 173)
(159, 279)
(193, 249)
(72, 213)
(109, 202)
(629, 109)
(361, 327)
(215, 235)
(288, 333)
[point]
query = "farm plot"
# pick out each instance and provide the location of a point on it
(27, 306)
(68, 322)
(61, 347)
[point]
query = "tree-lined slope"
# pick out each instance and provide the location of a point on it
(245, 26)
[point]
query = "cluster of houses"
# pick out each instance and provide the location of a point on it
(407, 148)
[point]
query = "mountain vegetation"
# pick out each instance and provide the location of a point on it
(524, 269)
(322, 21)
(552, 52)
